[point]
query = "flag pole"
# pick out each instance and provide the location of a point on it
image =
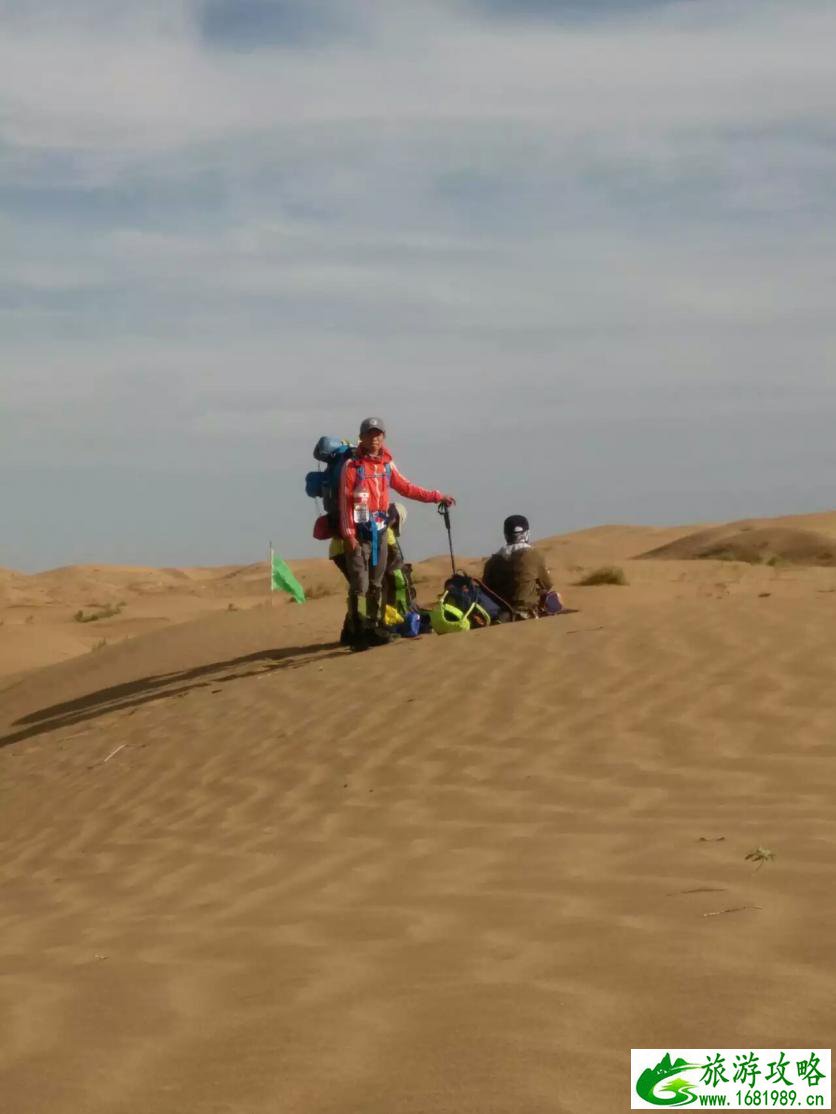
(270, 569)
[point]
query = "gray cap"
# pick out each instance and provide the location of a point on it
(368, 424)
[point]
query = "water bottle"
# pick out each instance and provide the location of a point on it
(361, 507)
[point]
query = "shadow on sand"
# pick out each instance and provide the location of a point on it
(165, 686)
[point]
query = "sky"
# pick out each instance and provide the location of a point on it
(579, 256)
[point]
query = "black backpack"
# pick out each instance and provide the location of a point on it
(466, 592)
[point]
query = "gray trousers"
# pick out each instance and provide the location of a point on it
(366, 579)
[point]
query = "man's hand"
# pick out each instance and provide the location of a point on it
(448, 501)
(351, 543)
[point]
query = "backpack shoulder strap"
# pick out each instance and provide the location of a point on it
(361, 472)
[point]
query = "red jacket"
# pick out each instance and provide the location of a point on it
(374, 481)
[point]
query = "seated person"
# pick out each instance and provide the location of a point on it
(517, 575)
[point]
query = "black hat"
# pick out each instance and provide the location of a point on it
(514, 526)
(368, 424)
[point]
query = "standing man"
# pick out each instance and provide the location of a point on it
(364, 510)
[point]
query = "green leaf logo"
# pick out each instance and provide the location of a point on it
(653, 1086)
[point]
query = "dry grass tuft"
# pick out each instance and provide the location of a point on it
(107, 612)
(319, 591)
(607, 574)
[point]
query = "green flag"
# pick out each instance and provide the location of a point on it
(283, 580)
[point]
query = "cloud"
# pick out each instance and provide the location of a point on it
(118, 94)
(568, 10)
(227, 227)
(266, 24)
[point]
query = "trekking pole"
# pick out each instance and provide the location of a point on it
(444, 511)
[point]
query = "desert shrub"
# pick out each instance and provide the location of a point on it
(721, 555)
(732, 555)
(319, 591)
(607, 574)
(107, 612)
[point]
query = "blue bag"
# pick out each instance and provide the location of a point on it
(411, 626)
(325, 485)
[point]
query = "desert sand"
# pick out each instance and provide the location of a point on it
(244, 870)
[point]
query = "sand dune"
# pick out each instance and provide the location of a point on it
(800, 540)
(40, 613)
(245, 871)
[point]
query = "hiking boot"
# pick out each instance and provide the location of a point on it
(358, 640)
(381, 636)
(347, 634)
